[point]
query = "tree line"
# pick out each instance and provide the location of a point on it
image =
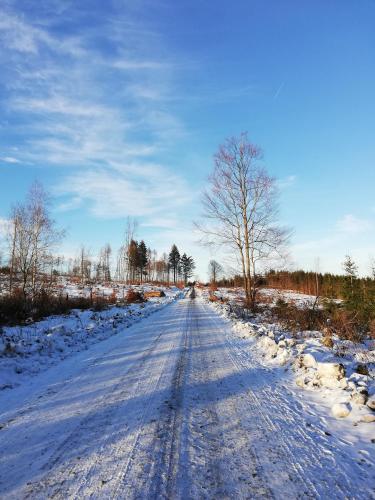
(32, 261)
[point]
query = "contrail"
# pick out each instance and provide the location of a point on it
(278, 91)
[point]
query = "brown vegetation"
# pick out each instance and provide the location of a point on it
(133, 297)
(154, 293)
(333, 319)
(16, 308)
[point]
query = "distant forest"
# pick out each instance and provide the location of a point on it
(333, 286)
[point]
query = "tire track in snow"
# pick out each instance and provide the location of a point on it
(73, 465)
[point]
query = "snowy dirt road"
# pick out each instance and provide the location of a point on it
(173, 407)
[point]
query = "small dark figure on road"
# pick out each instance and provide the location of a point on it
(192, 293)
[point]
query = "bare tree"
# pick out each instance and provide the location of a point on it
(32, 238)
(214, 270)
(103, 267)
(85, 264)
(123, 271)
(240, 206)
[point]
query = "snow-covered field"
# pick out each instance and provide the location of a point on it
(26, 350)
(187, 403)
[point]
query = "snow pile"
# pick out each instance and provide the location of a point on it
(27, 350)
(344, 376)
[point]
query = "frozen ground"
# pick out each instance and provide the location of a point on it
(176, 406)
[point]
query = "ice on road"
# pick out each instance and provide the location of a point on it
(173, 407)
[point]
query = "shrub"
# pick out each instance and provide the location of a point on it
(16, 308)
(297, 319)
(348, 325)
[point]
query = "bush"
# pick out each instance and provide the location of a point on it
(18, 309)
(298, 319)
(348, 325)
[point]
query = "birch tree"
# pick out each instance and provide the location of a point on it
(240, 209)
(32, 238)
(214, 270)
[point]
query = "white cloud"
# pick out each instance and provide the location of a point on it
(126, 65)
(147, 191)
(18, 35)
(9, 159)
(286, 182)
(4, 225)
(350, 224)
(103, 115)
(161, 222)
(60, 105)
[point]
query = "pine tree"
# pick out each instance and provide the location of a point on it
(187, 267)
(142, 258)
(133, 259)
(352, 287)
(174, 261)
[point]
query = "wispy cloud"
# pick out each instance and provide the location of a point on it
(4, 225)
(350, 224)
(100, 108)
(149, 192)
(9, 159)
(286, 182)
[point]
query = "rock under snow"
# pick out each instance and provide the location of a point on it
(269, 346)
(301, 381)
(284, 357)
(332, 375)
(371, 403)
(360, 397)
(368, 417)
(340, 410)
(307, 361)
(331, 370)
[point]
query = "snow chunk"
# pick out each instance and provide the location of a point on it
(307, 361)
(269, 346)
(368, 417)
(341, 410)
(332, 375)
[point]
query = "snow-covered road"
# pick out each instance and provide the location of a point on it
(173, 407)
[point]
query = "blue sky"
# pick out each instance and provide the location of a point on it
(118, 106)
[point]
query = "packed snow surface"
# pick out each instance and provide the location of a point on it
(178, 405)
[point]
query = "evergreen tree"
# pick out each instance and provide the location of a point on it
(174, 261)
(142, 258)
(133, 259)
(351, 270)
(187, 267)
(352, 287)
